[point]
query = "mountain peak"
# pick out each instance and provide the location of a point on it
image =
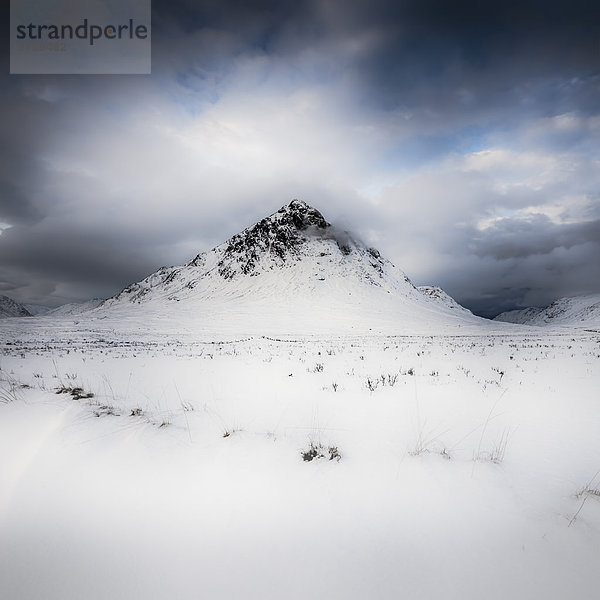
(278, 236)
(301, 215)
(294, 270)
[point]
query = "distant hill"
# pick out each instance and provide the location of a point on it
(37, 309)
(578, 311)
(10, 308)
(74, 308)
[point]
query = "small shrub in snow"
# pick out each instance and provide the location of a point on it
(311, 453)
(500, 373)
(7, 396)
(75, 391)
(589, 490)
(388, 379)
(106, 410)
(229, 432)
(497, 453)
(372, 384)
(9, 391)
(316, 451)
(445, 454)
(334, 453)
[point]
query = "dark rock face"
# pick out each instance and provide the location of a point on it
(280, 235)
(302, 215)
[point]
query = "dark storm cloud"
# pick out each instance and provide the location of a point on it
(459, 137)
(529, 262)
(491, 286)
(87, 256)
(446, 57)
(20, 130)
(519, 238)
(492, 47)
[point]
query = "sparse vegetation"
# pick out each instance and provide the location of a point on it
(229, 432)
(76, 392)
(384, 379)
(317, 450)
(105, 410)
(498, 451)
(9, 388)
(590, 490)
(372, 384)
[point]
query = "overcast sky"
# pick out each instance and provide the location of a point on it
(462, 139)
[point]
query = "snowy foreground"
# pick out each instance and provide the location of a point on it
(454, 466)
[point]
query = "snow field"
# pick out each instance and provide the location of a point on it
(182, 477)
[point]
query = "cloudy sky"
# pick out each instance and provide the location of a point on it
(460, 138)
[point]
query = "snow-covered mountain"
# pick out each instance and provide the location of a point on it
(523, 316)
(75, 308)
(10, 308)
(37, 309)
(439, 295)
(578, 311)
(292, 271)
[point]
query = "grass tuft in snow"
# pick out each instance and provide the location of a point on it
(229, 432)
(9, 388)
(105, 410)
(590, 490)
(498, 451)
(76, 392)
(316, 451)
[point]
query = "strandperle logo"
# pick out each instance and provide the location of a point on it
(80, 37)
(85, 31)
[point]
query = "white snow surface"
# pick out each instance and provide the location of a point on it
(576, 311)
(10, 308)
(468, 464)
